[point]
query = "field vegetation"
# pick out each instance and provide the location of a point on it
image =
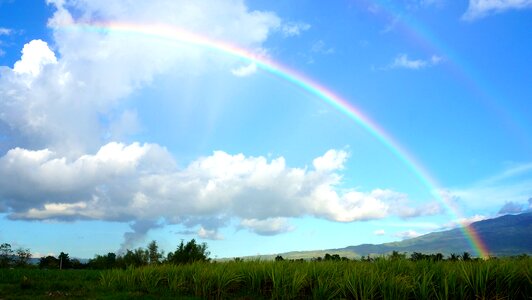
(187, 273)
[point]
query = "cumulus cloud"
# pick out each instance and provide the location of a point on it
(246, 70)
(57, 98)
(35, 55)
(269, 226)
(209, 234)
(481, 8)
(332, 160)
(290, 29)
(402, 61)
(142, 182)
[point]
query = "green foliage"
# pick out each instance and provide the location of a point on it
(22, 257)
(136, 258)
(6, 255)
(153, 253)
(64, 261)
(506, 278)
(49, 262)
(101, 262)
(188, 253)
(332, 279)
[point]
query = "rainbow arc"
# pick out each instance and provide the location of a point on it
(299, 80)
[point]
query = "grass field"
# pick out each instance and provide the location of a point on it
(381, 279)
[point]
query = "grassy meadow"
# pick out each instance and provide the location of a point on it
(508, 278)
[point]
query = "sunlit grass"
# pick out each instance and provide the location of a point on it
(381, 279)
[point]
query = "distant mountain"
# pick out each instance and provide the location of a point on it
(503, 236)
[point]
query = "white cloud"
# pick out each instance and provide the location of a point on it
(332, 160)
(5, 31)
(409, 234)
(379, 232)
(209, 234)
(141, 182)
(290, 29)
(482, 8)
(269, 226)
(35, 56)
(402, 61)
(245, 70)
(90, 74)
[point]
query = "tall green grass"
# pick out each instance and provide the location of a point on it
(384, 279)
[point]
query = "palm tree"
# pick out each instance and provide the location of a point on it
(466, 256)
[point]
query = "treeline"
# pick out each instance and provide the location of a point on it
(151, 255)
(185, 253)
(10, 257)
(395, 255)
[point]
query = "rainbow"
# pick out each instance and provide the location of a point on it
(180, 35)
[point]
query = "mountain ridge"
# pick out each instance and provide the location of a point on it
(505, 235)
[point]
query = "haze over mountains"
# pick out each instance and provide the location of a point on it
(503, 236)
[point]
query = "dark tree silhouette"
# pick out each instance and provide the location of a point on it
(189, 252)
(49, 262)
(466, 256)
(6, 255)
(454, 257)
(22, 257)
(153, 253)
(64, 261)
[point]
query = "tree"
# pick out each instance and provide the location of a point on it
(397, 256)
(136, 258)
(6, 255)
(22, 257)
(153, 253)
(437, 257)
(279, 258)
(188, 253)
(416, 256)
(49, 262)
(108, 261)
(466, 256)
(334, 257)
(64, 261)
(454, 257)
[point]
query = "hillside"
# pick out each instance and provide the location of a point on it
(503, 236)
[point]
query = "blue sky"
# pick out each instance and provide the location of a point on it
(110, 140)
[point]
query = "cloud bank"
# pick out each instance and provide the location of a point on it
(142, 182)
